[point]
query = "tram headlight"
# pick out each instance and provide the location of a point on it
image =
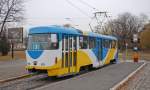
(35, 63)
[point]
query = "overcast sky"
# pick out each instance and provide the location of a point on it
(51, 12)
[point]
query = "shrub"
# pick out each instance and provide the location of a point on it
(4, 46)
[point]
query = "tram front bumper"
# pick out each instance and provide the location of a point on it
(43, 67)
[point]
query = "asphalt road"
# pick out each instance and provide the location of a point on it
(12, 68)
(101, 79)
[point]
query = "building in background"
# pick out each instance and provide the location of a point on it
(144, 37)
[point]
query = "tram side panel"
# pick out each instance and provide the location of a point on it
(55, 62)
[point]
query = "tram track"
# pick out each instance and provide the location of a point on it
(24, 82)
(29, 82)
(42, 80)
(16, 78)
(33, 81)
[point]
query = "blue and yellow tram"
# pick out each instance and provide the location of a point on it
(61, 51)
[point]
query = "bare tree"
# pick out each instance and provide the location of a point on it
(124, 27)
(10, 11)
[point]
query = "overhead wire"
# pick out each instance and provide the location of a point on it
(83, 12)
(87, 4)
(73, 5)
(95, 9)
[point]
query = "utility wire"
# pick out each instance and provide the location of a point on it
(87, 4)
(73, 5)
(83, 12)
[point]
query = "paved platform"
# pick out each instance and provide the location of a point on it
(12, 68)
(144, 83)
(101, 79)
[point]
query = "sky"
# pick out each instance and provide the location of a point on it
(78, 12)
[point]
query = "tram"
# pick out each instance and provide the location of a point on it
(61, 51)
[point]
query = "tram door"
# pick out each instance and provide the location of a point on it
(69, 53)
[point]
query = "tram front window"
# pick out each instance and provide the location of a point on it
(42, 42)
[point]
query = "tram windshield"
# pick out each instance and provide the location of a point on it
(42, 42)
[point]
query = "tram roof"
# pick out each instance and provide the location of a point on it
(54, 29)
(101, 36)
(64, 30)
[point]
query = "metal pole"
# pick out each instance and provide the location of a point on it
(126, 51)
(12, 50)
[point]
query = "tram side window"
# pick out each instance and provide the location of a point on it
(63, 42)
(106, 43)
(92, 43)
(103, 42)
(110, 43)
(113, 44)
(75, 43)
(66, 43)
(83, 42)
